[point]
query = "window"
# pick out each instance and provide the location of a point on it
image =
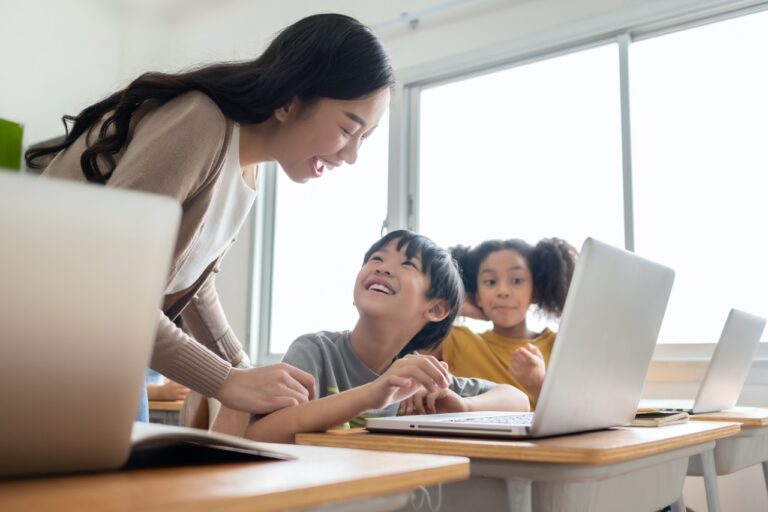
(322, 230)
(535, 150)
(528, 152)
(699, 111)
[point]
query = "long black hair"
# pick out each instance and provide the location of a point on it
(551, 262)
(321, 56)
(444, 283)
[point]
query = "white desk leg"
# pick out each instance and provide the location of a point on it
(709, 473)
(519, 495)
(765, 473)
(679, 505)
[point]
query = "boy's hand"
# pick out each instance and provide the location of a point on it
(406, 376)
(527, 366)
(426, 402)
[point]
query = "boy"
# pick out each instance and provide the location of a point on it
(407, 293)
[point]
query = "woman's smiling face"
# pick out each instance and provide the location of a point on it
(326, 133)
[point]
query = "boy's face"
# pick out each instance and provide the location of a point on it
(504, 287)
(392, 285)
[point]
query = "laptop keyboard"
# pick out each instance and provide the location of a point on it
(512, 419)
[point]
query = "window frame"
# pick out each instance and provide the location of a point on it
(622, 30)
(261, 268)
(621, 27)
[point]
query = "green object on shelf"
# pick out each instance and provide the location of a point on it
(10, 144)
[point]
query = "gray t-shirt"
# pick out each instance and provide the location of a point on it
(330, 359)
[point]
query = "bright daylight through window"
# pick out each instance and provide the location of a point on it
(699, 110)
(528, 152)
(323, 228)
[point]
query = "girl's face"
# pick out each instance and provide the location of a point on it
(504, 288)
(325, 134)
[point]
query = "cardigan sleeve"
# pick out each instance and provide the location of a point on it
(202, 361)
(175, 149)
(205, 320)
(183, 359)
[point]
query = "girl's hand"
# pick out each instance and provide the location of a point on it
(470, 310)
(425, 402)
(405, 377)
(527, 366)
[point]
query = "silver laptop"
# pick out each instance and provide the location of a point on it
(83, 269)
(604, 346)
(727, 371)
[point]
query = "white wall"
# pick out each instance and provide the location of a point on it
(56, 58)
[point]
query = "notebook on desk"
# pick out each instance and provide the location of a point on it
(608, 330)
(727, 371)
(83, 269)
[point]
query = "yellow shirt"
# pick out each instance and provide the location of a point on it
(487, 355)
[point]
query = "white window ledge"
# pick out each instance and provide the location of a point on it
(685, 363)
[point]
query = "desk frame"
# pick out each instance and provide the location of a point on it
(533, 475)
(748, 448)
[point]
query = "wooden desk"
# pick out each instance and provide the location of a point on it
(619, 469)
(165, 412)
(749, 417)
(748, 448)
(320, 479)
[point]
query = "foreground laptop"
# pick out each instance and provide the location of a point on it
(608, 330)
(83, 269)
(727, 371)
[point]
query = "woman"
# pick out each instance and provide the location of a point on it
(306, 103)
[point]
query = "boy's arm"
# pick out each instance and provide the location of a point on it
(402, 379)
(469, 395)
(501, 397)
(315, 416)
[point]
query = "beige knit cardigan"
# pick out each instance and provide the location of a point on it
(177, 149)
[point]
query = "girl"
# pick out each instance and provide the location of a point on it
(307, 103)
(503, 279)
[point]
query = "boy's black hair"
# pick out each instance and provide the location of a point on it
(444, 283)
(551, 262)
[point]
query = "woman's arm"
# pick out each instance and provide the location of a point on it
(258, 390)
(206, 322)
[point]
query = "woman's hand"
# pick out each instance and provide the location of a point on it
(527, 366)
(405, 377)
(431, 402)
(266, 389)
